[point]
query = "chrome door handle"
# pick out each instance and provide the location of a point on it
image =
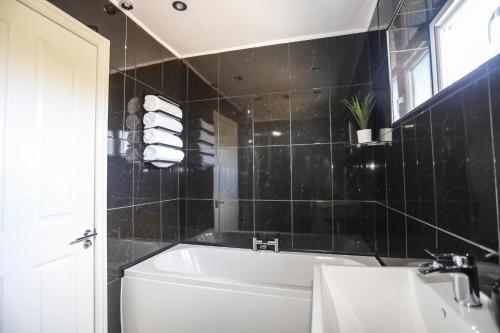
(85, 238)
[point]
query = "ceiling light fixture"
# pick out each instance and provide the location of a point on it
(179, 5)
(126, 5)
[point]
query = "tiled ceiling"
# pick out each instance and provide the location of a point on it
(223, 25)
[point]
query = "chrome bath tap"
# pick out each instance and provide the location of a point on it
(258, 244)
(466, 293)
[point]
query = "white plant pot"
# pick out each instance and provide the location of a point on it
(385, 134)
(364, 136)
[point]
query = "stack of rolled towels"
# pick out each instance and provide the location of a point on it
(161, 132)
(201, 138)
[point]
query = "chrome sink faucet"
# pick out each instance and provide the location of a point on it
(258, 244)
(461, 264)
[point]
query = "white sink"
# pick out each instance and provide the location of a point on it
(392, 299)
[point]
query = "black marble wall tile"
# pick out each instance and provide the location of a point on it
(170, 221)
(272, 173)
(236, 73)
(119, 245)
(312, 225)
(395, 174)
(169, 183)
(199, 217)
(208, 111)
(396, 234)
(116, 105)
(146, 183)
(349, 60)
(271, 119)
(235, 221)
(311, 172)
(202, 177)
(270, 69)
(274, 217)
(381, 230)
(343, 126)
(236, 173)
(203, 77)
(171, 78)
(309, 64)
(420, 237)
(114, 316)
(147, 222)
(119, 182)
(310, 113)
(354, 227)
(236, 122)
(354, 173)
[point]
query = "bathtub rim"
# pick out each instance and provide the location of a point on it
(122, 268)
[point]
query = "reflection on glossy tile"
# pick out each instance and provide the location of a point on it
(147, 222)
(202, 174)
(409, 39)
(312, 225)
(270, 71)
(235, 125)
(309, 64)
(354, 227)
(170, 220)
(202, 120)
(236, 73)
(310, 112)
(236, 173)
(271, 119)
(420, 237)
(311, 172)
(413, 19)
(272, 173)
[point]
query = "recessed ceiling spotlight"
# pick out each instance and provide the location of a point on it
(179, 5)
(126, 5)
(238, 78)
(110, 9)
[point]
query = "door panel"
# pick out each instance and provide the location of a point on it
(49, 156)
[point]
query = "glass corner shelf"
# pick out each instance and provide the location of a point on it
(372, 144)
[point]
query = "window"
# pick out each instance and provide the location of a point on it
(466, 33)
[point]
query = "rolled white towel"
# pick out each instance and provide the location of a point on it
(134, 137)
(155, 103)
(132, 121)
(133, 154)
(154, 135)
(198, 135)
(201, 124)
(160, 153)
(162, 164)
(157, 119)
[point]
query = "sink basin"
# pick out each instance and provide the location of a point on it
(392, 299)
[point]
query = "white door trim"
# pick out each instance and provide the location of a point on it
(56, 15)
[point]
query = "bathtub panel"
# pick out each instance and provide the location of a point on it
(157, 307)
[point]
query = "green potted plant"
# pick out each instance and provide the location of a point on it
(361, 109)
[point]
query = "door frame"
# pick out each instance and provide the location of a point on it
(69, 23)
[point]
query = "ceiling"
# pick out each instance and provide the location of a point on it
(224, 25)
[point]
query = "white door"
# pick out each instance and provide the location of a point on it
(47, 122)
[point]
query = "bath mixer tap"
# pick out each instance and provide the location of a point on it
(258, 244)
(466, 293)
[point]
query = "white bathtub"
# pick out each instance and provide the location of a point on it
(208, 289)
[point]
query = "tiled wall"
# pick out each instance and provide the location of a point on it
(142, 200)
(442, 174)
(285, 162)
